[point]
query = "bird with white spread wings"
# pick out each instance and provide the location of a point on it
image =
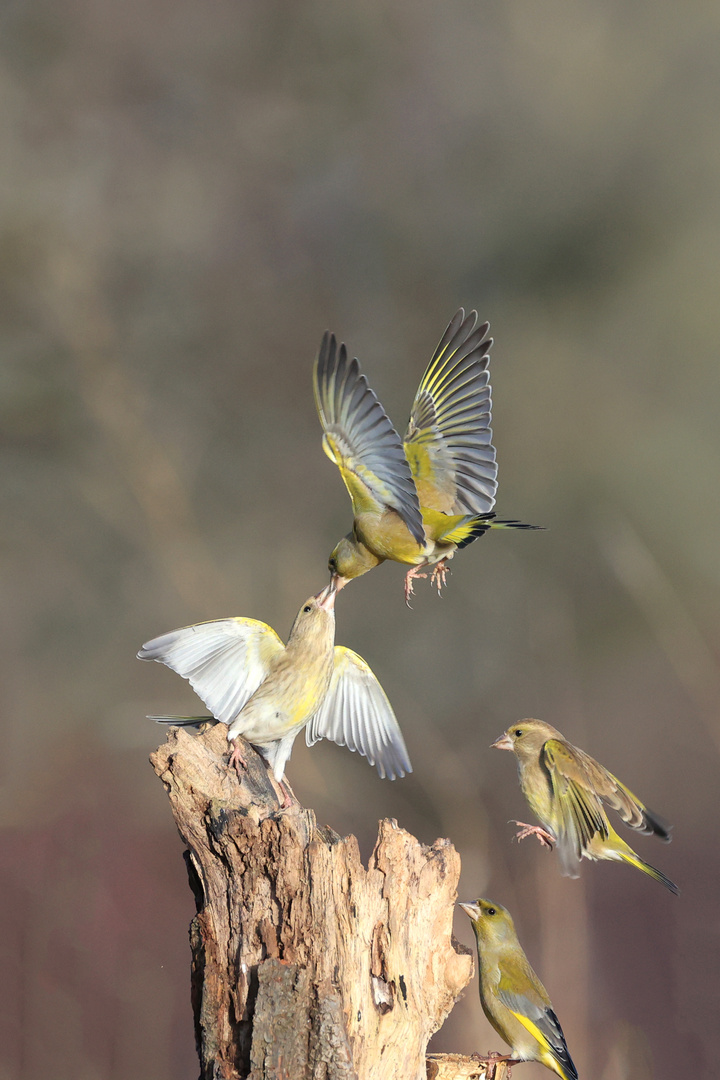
(419, 501)
(268, 692)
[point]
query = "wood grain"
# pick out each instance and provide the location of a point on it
(306, 964)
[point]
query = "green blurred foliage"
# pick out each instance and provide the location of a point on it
(190, 195)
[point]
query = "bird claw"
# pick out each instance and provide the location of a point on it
(236, 760)
(545, 838)
(288, 795)
(413, 572)
(491, 1062)
(438, 578)
(239, 763)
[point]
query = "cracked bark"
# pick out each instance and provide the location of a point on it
(307, 965)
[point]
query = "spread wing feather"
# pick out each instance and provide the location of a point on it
(360, 439)
(449, 439)
(356, 713)
(579, 812)
(589, 776)
(224, 661)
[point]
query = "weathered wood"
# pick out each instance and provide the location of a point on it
(459, 1067)
(306, 965)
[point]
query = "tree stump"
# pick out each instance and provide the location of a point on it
(306, 965)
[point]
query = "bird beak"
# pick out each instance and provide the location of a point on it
(338, 582)
(503, 743)
(472, 910)
(326, 597)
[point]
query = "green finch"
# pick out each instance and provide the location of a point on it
(566, 789)
(268, 692)
(420, 501)
(514, 1000)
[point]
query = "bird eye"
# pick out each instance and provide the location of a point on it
(332, 566)
(518, 733)
(307, 608)
(491, 911)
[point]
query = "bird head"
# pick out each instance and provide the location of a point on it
(491, 922)
(349, 559)
(316, 618)
(526, 738)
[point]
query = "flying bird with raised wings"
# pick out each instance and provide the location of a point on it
(268, 692)
(420, 500)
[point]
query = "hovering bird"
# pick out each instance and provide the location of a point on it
(514, 1000)
(420, 501)
(268, 692)
(566, 789)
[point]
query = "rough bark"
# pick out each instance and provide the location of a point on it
(459, 1067)
(306, 965)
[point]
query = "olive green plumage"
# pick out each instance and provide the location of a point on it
(514, 1000)
(566, 790)
(420, 500)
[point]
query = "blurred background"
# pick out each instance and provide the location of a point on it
(190, 195)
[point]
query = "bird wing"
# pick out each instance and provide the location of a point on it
(360, 439)
(224, 661)
(449, 439)
(579, 815)
(634, 813)
(532, 1008)
(356, 713)
(538, 1018)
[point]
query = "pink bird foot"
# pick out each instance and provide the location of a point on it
(413, 572)
(438, 578)
(236, 760)
(288, 795)
(545, 838)
(491, 1063)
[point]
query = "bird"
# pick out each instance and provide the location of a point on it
(419, 501)
(566, 789)
(268, 692)
(514, 1000)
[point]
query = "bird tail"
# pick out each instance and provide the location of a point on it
(470, 528)
(554, 1053)
(197, 722)
(634, 860)
(563, 1065)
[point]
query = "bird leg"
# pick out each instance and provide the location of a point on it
(238, 762)
(236, 759)
(288, 794)
(545, 838)
(492, 1061)
(439, 575)
(413, 572)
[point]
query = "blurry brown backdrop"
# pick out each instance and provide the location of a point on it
(190, 194)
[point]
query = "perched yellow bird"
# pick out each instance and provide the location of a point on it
(268, 692)
(420, 501)
(514, 1000)
(566, 789)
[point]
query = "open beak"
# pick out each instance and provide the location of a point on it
(338, 582)
(326, 597)
(472, 910)
(503, 743)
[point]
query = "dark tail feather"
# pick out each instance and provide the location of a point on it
(652, 871)
(197, 722)
(479, 525)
